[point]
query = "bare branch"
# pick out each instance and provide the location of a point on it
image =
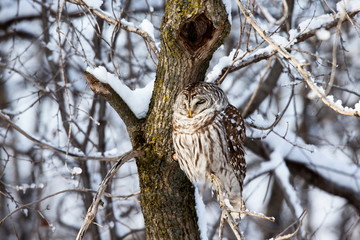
(225, 211)
(251, 100)
(290, 235)
(328, 185)
(298, 66)
(259, 215)
(311, 176)
(91, 213)
(118, 24)
(52, 148)
(299, 38)
(27, 205)
(270, 18)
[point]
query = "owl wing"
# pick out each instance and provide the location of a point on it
(235, 136)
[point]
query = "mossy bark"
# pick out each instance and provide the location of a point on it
(190, 33)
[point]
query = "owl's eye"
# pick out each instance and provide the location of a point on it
(201, 101)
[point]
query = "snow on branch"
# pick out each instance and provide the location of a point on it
(145, 30)
(137, 100)
(309, 79)
(315, 165)
(318, 26)
(282, 174)
(278, 166)
(343, 175)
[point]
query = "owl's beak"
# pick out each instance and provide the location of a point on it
(190, 113)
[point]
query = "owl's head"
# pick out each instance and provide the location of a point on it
(200, 99)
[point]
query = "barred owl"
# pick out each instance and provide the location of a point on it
(208, 134)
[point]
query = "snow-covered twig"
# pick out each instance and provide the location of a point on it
(121, 24)
(91, 213)
(295, 38)
(336, 106)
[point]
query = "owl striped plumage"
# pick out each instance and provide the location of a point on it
(208, 136)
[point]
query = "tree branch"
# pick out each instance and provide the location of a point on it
(118, 24)
(91, 213)
(310, 176)
(290, 235)
(298, 39)
(52, 148)
(298, 66)
(27, 205)
(266, 88)
(307, 34)
(105, 90)
(324, 184)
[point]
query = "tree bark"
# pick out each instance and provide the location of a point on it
(191, 31)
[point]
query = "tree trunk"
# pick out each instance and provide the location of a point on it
(190, 33)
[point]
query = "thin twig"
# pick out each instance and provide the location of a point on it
(226, 213)
(298, 222)
(298, 66)
(258, 215)
(278, 116)
(270, 18)
(221, 225)
(233, 225)
(147, 38)
(334, 51)
(91, 213)
(52, 148)
(63, 75)
(27, 205)
(257, 88)
(299, 38)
